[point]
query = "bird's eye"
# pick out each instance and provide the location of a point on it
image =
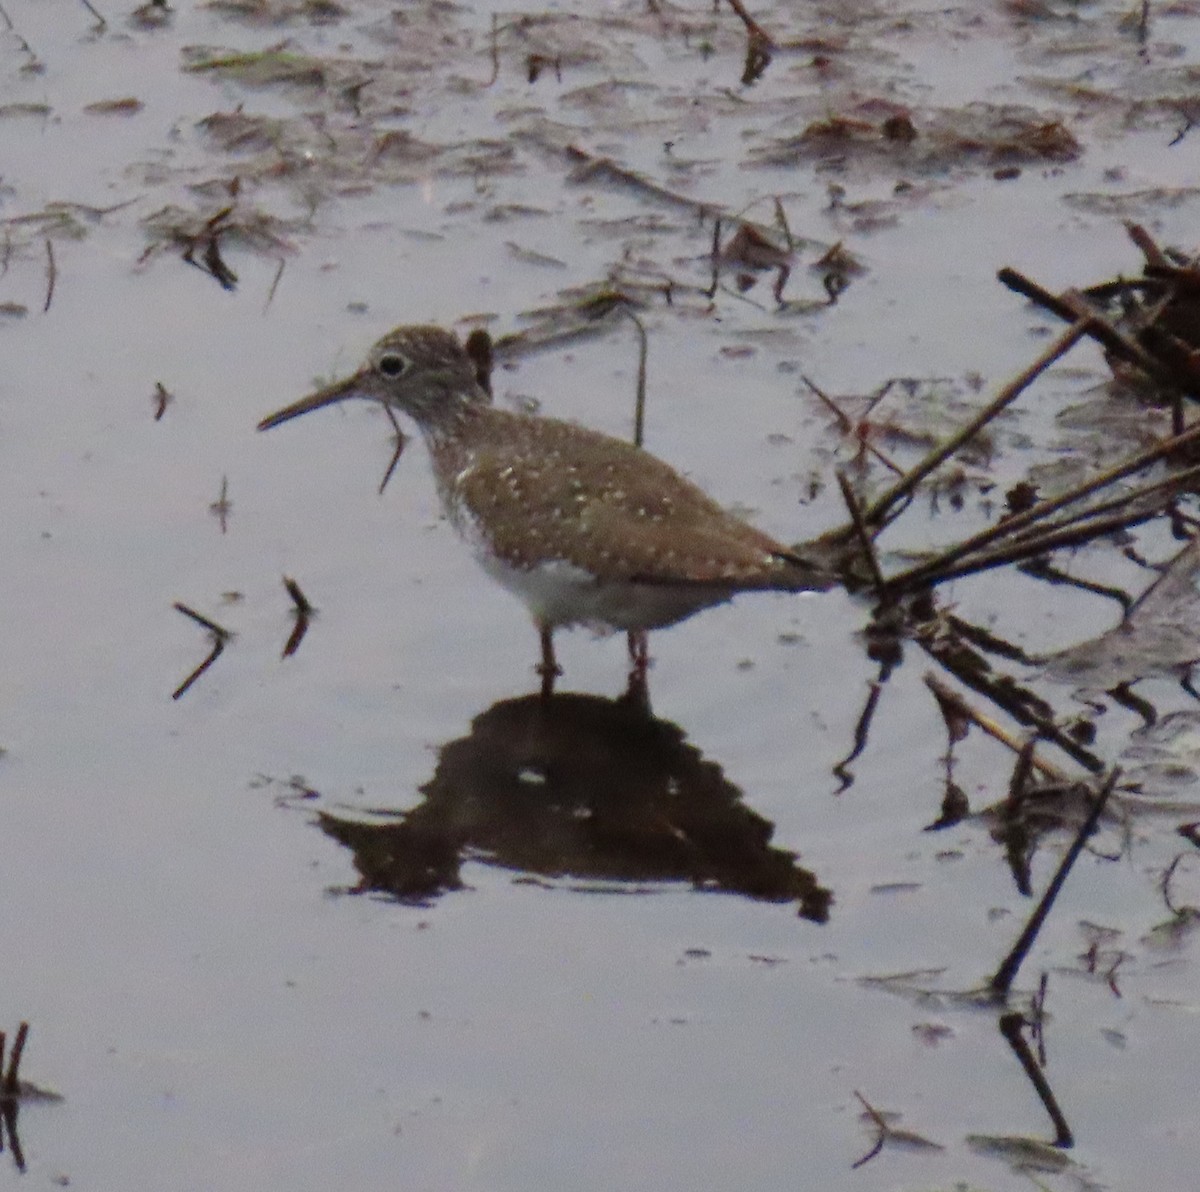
(392, 365)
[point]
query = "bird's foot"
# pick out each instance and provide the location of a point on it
(639, 654)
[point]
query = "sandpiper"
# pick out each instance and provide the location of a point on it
(584, 528)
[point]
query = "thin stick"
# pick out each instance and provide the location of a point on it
(1072, 307)
(162, 399)
(303, 613)
(1006, 396)
(51, 275)
(1176, 480)
(33, 63)
(1026, 548)
(882, 1126)
(200, 619)
(1010, 1027)
(1042, 509)
(860, 528)
(1155, 257)
(220, 636)
(846, 423)
(1164, 886)
(1001, 982)
(639, 405)
(595, 166)
(1005, 694)
(996, 731)
(274, 284)
(222, 506)
(101, 23)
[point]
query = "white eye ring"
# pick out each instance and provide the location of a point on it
(392, 365)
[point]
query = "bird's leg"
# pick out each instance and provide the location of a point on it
(639, 655)
(637, 692)
(548, 668)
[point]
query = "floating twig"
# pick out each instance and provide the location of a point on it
(303, 613)
(859, 430)
(51, 274)
(888, 1133)
(101, 23)
(593, 166)
(34, 65)
(220, 636)
(222, 506)
(1164, 887)
(948, 697)
(880, 1124)
(1001, 982)
(1022, 705)
(274, 284)
(162, 398)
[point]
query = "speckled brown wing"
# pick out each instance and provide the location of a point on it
(548, 490)
(716, 549)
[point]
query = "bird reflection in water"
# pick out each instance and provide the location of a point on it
(583, 790)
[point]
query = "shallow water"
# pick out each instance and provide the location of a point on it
(215, 1007)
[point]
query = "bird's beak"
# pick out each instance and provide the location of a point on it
(339, 391)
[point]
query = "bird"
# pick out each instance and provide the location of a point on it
(585, 528)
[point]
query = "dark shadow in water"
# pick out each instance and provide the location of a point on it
(577, 787)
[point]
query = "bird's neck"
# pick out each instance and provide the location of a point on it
(440, 402)
(453, 438)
